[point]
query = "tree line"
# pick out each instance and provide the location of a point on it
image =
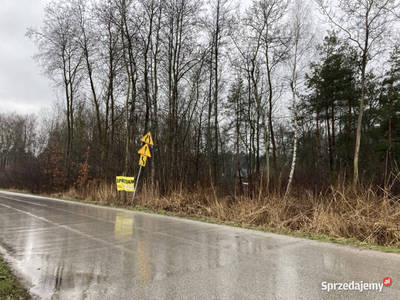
(245, 100)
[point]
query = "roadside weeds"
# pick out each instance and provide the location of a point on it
(372, 223)
(10, 286)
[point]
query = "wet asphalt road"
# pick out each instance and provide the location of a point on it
(68, 250)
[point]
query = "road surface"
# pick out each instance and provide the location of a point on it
(67, 250)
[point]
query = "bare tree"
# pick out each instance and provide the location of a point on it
(129, 26)
(60, 57)
(218, 26)
(249, 48)
(88, 39)
(301, 33)
(110, 64)
(267, 22)
(181, 20)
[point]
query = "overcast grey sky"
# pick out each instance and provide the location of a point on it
(22, 88)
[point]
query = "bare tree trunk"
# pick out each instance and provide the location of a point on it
(359, 120)
(260, 111)
(329, 139)
(238, 169)
(300, 32)
(209, 138)
(349, 129)
(390, 118)
(271, 127)
(155, 93)
(146, 70)
(216, 90)
(292, 85)
(319, 139)
(127, 97)
(333, 139)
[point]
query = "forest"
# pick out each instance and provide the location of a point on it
(268, 112)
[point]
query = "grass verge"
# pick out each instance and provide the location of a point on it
(10, 286)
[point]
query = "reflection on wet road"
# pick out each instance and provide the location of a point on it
(73, 251)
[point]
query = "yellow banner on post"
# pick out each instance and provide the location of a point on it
(125, 183)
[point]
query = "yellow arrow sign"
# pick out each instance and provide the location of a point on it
(142, 161)
(148, 139)
(145, 150)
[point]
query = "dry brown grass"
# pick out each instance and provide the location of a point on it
(368, 215)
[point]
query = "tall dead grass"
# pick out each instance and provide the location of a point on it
(369, 215)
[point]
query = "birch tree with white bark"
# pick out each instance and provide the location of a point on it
(302, 38)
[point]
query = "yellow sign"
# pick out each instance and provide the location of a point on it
(145, 150)
(125, 183)
(142, 161)
(148, 139)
